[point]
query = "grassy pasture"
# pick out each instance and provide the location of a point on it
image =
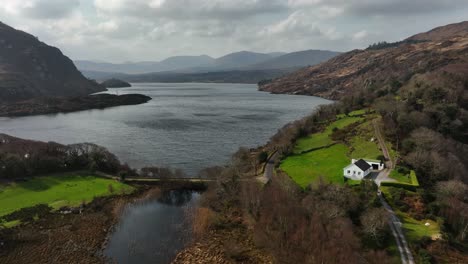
(69, 189)
(322, 139)
(307, 168)
(361, 144)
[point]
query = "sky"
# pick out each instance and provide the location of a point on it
(151, 30)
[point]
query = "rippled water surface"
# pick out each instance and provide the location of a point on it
(188, 126)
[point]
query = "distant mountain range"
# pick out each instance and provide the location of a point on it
(169, 64)
(185, 68)
(30, 68)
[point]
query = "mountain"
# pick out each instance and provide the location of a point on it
(226, 76)
(444, 32)
(169, 64)
(234, 62)
(297, 59)
(241, 59)
(381, 67)
(30, 68)
(180, 64)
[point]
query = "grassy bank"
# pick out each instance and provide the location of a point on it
(70, 189)
(325, 154)
(327, 163)
(322, 139)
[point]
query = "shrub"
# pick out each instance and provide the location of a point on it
(262, 156)
(28, 213)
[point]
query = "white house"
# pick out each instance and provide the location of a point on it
(358, 169)
(376, 164)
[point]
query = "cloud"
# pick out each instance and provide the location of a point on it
(119, 30)
(40, 9)
(190, 9)
(360, 35)
(381, 7)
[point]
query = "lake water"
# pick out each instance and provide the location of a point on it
(188, 126)
(153, 231)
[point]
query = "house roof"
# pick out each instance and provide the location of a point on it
(362, 164)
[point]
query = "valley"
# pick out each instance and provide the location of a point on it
(238, 158)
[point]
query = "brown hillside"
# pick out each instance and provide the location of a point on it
(444, 32)
(377, 67)
(30, 68)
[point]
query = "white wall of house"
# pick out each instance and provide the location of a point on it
(354, 172)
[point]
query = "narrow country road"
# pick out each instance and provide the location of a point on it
(270, 167)
(390, 163)
(393, 221)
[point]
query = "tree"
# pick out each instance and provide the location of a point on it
(374, 224)
(122, 176)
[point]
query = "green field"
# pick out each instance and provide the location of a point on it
(400, 177)
(309, 167)
(58, 190)
(359, 112)
(322, 139)
(361, 144)
(414, 229)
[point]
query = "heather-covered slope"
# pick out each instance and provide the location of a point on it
(30, 68)
(380, 66)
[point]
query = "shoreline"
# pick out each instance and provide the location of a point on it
(61, 237)
(55, 105)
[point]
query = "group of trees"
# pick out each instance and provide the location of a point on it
(425, 117)
(324, 224)
(21, 158)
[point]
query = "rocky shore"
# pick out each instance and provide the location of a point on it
(52, 105)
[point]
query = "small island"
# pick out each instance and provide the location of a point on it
(41, 106)
(115, 83)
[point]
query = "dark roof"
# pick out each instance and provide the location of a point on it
(362, 164)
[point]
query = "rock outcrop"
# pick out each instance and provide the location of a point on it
(30, 68)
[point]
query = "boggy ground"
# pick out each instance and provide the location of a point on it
(223, 247)
(72, 238)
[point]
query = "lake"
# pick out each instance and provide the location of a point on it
(188, 126)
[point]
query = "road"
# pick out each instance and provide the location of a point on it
(393, 221)
(270, 167)
(395, 226)
(390, 163)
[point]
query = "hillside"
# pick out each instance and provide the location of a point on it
(379, 68)
(444, 32)
(297, 59)
(30, 68)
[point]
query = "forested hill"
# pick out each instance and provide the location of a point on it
(30, 69)
(382, 67)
